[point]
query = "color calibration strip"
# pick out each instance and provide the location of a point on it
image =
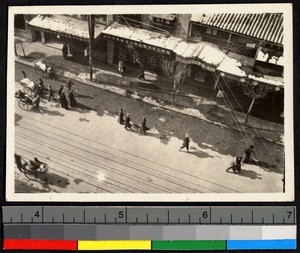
(171, 237)
(15, 244)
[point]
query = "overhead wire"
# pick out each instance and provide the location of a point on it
(270, 153)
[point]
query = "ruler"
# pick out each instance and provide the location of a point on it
(150, 227)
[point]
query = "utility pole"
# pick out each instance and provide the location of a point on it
(91, 21)
(249, 110)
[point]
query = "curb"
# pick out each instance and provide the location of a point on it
(98, 85)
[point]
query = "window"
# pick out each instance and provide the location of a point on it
(101, 19)
(212, 31)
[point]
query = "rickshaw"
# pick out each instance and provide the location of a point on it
(29, 87)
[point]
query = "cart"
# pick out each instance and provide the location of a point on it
(42, 70)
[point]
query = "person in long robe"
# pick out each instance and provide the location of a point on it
(121, 117)
(63, 100)
(73, 102)
(186, 143)
(144, 128)
(127, 122)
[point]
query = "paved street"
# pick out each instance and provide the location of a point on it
(88, 151)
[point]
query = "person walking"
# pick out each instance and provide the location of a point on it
(121, 68)
(248, 152)
(41, 87)
(73, 102)
(144, 128)
(121, 117)
(127, 122)
(186, 143)
(236, 165)
(51, 92)
(63, 100)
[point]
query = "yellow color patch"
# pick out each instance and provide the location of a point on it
(114, 245)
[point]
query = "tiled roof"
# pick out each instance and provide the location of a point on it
(263, 26)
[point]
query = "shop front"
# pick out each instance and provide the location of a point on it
(70, 33)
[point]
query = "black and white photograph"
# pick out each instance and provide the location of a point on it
(150, 103)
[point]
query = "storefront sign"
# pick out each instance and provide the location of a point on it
(195, 62)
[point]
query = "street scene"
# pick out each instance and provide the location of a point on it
(172, 103)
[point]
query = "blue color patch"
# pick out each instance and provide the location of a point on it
(261, 244)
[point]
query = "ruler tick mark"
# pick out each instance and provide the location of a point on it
(231, 218)
(94, 219)
(31, 219)
(168, 216)
(147, 218)
(105, 217)
(115, 219)
(252, 216)
(178, 219)
(83, 216)
(283, 220)
(73, 219)
(11, 220)
(199, 220)
(157, 219)
(52, 219)
(21, 217)
(63, 217)
(263, 220)
(221, 220)
(242, 220)
(273, 218)
(189, 218)
(136, 220)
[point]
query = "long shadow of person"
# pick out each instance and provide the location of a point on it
(265, 165)
(247, 173)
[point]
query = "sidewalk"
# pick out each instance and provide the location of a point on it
(156, 90)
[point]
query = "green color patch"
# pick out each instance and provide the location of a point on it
(188, 245)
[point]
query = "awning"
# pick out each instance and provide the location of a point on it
(170, 17)
(231, 66)
(202, 54)
(64, 26)
(141, 37)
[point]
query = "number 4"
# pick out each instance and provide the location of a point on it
(37, 214)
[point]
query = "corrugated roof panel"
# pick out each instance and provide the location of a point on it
(266, 26)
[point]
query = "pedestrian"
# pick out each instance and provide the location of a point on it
(236, 165)
(186, 143)
(248, 152)
(51, 92)
(63, 100)
(141, 74)
(121, 117)
(144, 128)
(41, 87)
(127, 122)
(36, 101)
(65, 51)
(24, 74)
(121, 67)
(73, 102)
(60, 90)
